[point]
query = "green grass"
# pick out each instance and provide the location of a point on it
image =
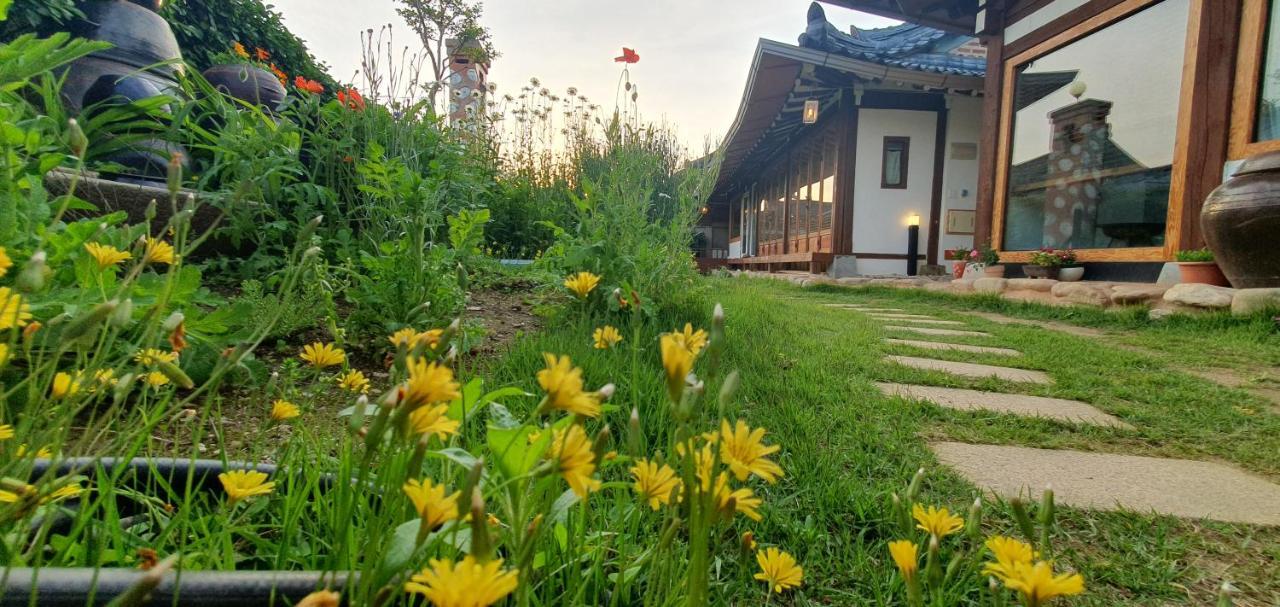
(807, 375)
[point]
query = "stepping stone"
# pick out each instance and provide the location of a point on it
(902, 316)
(972, 370)
(936, 345)
(1061, 327)
(932, 331)
(1101, 481)
(1016, 404)
(879, 310)
(919, 321)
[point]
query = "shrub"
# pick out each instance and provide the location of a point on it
(1194, 255)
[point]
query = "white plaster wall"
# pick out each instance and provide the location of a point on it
(960, 177)
(874, 267)
(1039, 18)
(880, 215)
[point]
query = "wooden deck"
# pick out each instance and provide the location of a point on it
(817, 261)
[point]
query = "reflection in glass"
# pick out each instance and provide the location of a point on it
(1269, 81)
(1093, 136)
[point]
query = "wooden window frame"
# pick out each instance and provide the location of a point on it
(906, 162)
(1179, 177)
(1248, 82)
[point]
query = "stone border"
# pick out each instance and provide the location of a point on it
(1162, 300)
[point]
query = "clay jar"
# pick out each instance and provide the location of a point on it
(248, 83)
(1241, 220)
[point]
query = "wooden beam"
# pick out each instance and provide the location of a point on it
(935, 200)
(987, 145)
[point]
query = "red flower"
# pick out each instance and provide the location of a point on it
(310, 86)
(628, 56)
(352, 99)
(261, 54)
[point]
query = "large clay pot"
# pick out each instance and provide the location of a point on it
(143, 48)
(1202, 272)
(993, 271)
(1241, 220)
(250, 84)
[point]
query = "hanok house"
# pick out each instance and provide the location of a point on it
(843, 140)
(1105, 123)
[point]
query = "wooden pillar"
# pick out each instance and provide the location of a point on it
(846, 157)
(786, 203)
(989, 141)
(935, 200)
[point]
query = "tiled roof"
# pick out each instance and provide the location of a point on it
(908, 46)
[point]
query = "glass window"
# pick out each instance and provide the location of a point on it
(893, 171)
(1268, 126)
(1093, 136)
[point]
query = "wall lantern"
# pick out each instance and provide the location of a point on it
(810, 111)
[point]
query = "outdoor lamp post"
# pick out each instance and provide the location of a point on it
(913, 242)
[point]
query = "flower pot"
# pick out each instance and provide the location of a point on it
(957, 269)
(993, 271)
(1071, 273)
(1035, 271)
(248, 83)
(1241, 219)
(1204, 272)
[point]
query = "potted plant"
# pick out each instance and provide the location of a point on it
(249, 77)
(1050, 263)
(1071, 270)
(1198, 266)
(988, 260)
(957, 257)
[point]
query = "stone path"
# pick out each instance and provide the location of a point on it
(941, 332)
(898, 315)
(919, 321)
(1102, 481)
(1016, 404)
(972, 370)
(937, 345)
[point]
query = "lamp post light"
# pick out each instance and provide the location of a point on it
(810, 114)
(913, 242)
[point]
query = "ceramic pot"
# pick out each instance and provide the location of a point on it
(1203, 272)
(1071, 273)
(1241, 219)
(248, 83)
(142, 48)
(1035, 271)
(993, 271)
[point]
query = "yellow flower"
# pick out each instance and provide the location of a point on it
(742, 500)
(1038, 584)
(693, 341)
(563, 384)
(62, 493)
(582, 283)
(151, 356)
(906, 556)
(321, 598)
(4, 354)
(936, 521)
(13, 311)
(8, 497)
(42, 452)
(240, 50)
(64, 386)
(606, 337)
(322, 355)
(241, 484)
(749, 541)
(677, 361)
(6, 432)
(159, 251)
(743, 450)
(106, 255)
(432, 504)
(656, 484)
(429, 383)
(433, 420)
(779, 570)
(104, 377)
(156, 379)
(1008, 553)
(410, 338)
(283, 410)
(465, 584)
(5, 262)
(354, 381)
(576, 461)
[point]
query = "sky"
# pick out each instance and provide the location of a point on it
(694, 54)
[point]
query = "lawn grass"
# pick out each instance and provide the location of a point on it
(807, 375)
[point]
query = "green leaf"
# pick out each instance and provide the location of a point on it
(476, 402)
(462, 457)
(4, 9)
(560, 509)
(399, 551)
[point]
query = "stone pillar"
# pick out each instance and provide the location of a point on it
(467, 79)
(1074, 175)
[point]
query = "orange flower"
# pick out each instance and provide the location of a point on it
(284, 78)
(261, 55)
(310, 86)
(240, 51)
(352, 99)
